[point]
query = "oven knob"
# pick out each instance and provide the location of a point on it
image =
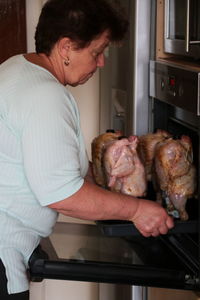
(172, 93)
(162, 84)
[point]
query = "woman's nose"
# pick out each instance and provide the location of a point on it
(101, 60)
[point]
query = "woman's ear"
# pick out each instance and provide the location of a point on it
(64, 47)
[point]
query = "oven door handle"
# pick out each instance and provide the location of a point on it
(187, 31)
(90, 271)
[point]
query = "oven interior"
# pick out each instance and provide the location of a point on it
(178, 122)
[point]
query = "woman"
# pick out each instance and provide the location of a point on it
(42, 155)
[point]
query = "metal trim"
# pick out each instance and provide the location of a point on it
(198, 96)
(166, 34)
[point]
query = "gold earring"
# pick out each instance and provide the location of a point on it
(67, 61)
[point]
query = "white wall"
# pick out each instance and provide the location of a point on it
(33, 8)
(87, 95)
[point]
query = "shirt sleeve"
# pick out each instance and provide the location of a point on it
(50, 146)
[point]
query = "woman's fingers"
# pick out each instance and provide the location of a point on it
(152, 219)
(170, 222)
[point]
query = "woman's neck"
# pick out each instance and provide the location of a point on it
(45, 62)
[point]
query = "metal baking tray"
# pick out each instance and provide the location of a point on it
(117, 228)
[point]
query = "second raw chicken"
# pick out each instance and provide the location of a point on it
(124, 171)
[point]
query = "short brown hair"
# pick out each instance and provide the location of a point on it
(80, 20)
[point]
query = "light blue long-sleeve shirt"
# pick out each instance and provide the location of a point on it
(42, 160)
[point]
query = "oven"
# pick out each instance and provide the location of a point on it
(114, 251)
(174, 106)
(182, 27)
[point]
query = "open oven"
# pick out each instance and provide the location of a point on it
(114, 251)
(175, 106)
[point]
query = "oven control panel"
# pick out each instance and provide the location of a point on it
(175, 85)
(168, 83)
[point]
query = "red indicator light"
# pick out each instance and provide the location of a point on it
(172, 81)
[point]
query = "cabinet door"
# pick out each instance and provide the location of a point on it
(12, 28)
(167, 294)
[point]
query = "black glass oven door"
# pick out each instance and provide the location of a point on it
(83, 252)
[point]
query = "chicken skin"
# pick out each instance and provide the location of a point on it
(146, 149)
(125, 165)
(98, 147)
(175, 172)
(124, 170)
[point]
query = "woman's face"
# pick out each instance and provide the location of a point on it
(84, 62)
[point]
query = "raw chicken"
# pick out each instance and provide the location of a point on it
(146, 149)
(125, 172)
(175, 172)
(98, 147)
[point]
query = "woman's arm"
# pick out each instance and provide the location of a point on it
(95, 203)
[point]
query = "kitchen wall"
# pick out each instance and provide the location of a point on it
(87, 98)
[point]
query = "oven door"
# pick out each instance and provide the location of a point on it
(115, 252)
(182, 27)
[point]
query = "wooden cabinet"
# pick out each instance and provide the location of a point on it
(12, 28)
(168, 294)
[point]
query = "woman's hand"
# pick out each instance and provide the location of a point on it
(151, 219)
